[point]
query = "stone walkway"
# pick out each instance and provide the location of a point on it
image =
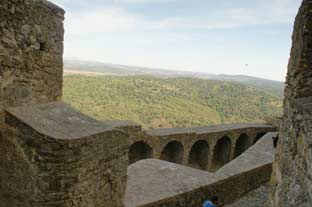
(256, 198)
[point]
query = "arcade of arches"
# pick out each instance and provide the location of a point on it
(203, 154)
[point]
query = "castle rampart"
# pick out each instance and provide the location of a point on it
(50, 154)
(154, 183)
(205, 148)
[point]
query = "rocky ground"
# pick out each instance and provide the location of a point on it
(256, 198)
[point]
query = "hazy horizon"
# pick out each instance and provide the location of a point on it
(241, 37)
(157, 69)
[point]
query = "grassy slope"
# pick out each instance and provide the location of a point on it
(172, 102)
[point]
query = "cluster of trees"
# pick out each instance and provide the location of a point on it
(169, 102)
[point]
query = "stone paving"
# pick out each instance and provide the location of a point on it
(256, 198)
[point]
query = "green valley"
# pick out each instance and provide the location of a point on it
(169, 102)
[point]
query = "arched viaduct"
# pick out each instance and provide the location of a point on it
(206, 148)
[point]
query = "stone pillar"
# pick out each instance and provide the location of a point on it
(234, 137)
(31, 49)
(186, 153)
(232, 151)
(210, 157)
(291, 179)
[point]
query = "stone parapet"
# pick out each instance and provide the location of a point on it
(163, 184)
(31, 49)
(52, 155)
(207, 148)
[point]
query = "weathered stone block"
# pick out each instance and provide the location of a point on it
(31, 48)
(52, 155)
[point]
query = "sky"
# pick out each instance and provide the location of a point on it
(237, 37)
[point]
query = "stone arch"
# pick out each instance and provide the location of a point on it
(173, 152)
(241, 145)
(221, 152)
(139, 151)
(198, 156)
(259, 136)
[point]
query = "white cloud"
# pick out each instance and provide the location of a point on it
(100, 21)
(144, 1)
(124, 36)
(61, 2)
(115, 19)
(273, 12)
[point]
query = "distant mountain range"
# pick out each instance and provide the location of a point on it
(99, 68)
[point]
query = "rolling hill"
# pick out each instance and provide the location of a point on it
(100, 68)
(155, 101)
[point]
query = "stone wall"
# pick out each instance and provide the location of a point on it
(57, 157)
(160, 185)
(31, 49)
(50, 154)
(292, 177)
(183, 141)
(228, 190)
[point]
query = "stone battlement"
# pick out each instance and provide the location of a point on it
(62, 157)
(205, 129)
(31, 50)
(154, 183)
(205, 148)
(58, 121)
(50, 154)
